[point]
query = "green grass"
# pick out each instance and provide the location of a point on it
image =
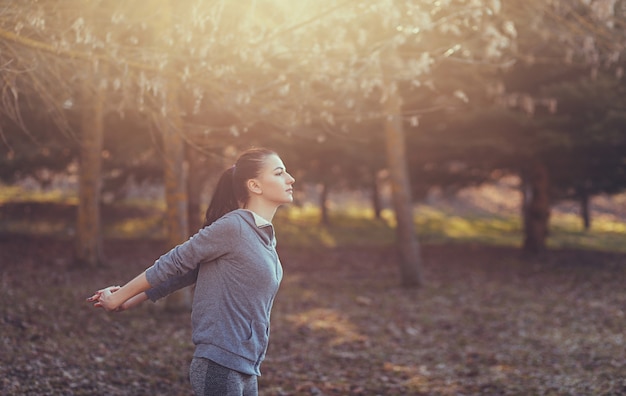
(149, 227)
(301, 227)
(352, 226)
(19, 194)
(605, 234)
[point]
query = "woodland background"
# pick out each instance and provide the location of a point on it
(459, 218)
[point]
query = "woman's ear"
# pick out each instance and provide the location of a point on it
(254, 186)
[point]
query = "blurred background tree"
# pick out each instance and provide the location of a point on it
(457, 91)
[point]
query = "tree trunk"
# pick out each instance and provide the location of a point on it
(88, 240)
(376, 204)
(410, 259)
(175, 178)
(584, 210)
(198, 172)
(174, 165)
(325, 220)
(537, 208)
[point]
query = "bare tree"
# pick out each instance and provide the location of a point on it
(283, 64)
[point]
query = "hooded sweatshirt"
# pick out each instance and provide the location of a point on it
(237, 272)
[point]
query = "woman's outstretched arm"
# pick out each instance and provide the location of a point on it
(127, 296)
(133, 301)
(128, 304)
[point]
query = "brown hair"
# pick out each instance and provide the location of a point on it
(231, 190)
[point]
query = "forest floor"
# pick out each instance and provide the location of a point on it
(486, 321)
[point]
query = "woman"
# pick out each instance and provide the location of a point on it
(236, 270)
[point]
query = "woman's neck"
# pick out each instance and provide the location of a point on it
(265, 211)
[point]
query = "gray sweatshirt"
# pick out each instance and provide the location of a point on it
(236, 269)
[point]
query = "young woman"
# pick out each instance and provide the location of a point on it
(236, 270)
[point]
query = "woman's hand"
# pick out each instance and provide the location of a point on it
(102, 298)
(116, 298)
(128, 304)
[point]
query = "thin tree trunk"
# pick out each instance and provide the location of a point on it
(537, 213)
(175, 179)
(198, 172)
(174, 165)
(325, 220)
(410, 258)
(376, 204)
(88, 240)
(584, 210)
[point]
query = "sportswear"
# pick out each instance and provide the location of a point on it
(236, 270)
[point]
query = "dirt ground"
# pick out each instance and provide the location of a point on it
(485, 322)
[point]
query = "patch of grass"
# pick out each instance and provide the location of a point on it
(301, 226)
(150, 227)
(53, 212)
(606, 234)
(19, 194)
(41, 227)
(437, 226)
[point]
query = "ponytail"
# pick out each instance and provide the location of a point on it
(231, 191)
(223, 200)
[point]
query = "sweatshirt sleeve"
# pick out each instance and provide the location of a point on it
(171, 285)
(207, 245)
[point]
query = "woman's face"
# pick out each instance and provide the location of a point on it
(274, 183)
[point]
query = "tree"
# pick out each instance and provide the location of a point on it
(374, 49)
(88, 242)
(410, 261)
(581, 38)
(530, 125)
(590, 122)
(281, 64)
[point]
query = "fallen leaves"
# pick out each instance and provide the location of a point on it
(481, 325)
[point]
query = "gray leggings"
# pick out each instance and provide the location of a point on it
(211, 379)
